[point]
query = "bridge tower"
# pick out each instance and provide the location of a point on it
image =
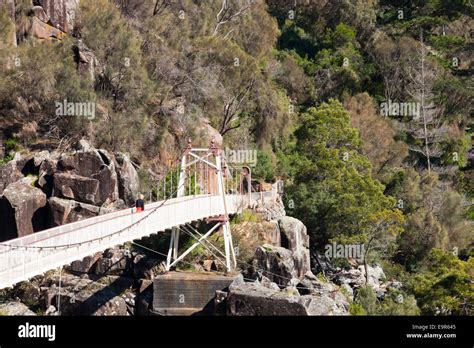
(211, 182)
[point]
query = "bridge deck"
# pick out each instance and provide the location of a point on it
(28, 256)
(37, 253)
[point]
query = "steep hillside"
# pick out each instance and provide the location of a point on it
(362, 107)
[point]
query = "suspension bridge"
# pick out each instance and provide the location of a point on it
(202, 187)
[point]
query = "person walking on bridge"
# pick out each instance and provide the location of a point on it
(140, 203)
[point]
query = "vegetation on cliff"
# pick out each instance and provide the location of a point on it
(363, 107)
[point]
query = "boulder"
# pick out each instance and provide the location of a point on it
(82, 296)
(76, 187)
(86, 264)
(147, 268)
(238, 281)
(114, 261)
(253, 234)
(88, 163)
(66, 163)
(275, 263)
(130, 301)
(272, 211)
(352, 277)
(321, 264)
(64, 211)
(209, 265)
(376, 275)
(252, 299)
(15, 308)
(295, 238)
(355, 277)
(268, 283)
(128, 179)
(9, 173)
(18, 206)
(60, 210)
(103, 302)
(51, 310)
(40, 157)
(107, 176)
(46, 170)
(44, 31)
(87, 62)
(27, 292)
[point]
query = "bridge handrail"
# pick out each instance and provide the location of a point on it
(21, 263)
(70, 227)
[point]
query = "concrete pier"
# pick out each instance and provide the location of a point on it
(187, 293)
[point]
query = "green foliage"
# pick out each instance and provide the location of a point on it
(445, 285)
(332, 186)
(398, 305)
(366, 299)
(10, 146)
(428, 225)
(6, 29)
(124, 80)
(158, 76)
(393, 303)
(246, 216)
(265, 168)
(357, 309)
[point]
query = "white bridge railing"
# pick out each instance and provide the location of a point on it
(26, 257)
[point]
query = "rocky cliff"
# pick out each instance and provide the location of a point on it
(276, 279)
(48, 189)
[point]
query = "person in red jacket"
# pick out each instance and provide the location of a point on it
(140, 204)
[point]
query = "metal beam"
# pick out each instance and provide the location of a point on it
(191, 248)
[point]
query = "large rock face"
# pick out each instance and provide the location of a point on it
(252, 234)
(128, 179)
(64, 211)
(44, 31)
(295, 237)
(9, 173)
(76, 187)
(108, 179)
(275, 263)
(87, 62)
(88, 176)
(205, 131)
(255, 299)
(60, 13)
(18, 205)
